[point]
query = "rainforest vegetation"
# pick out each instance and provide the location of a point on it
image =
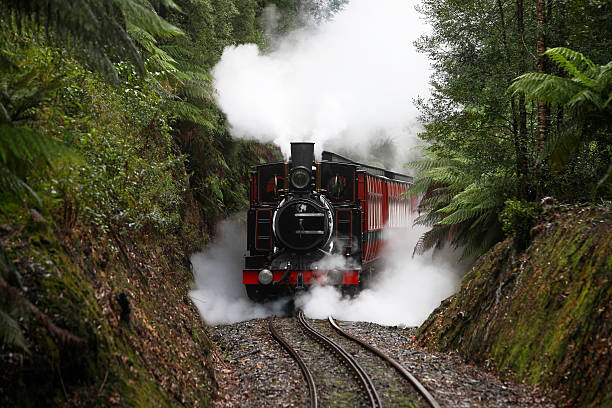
(520, 110)
(115, 164)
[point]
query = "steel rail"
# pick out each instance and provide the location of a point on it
(364, 378)
(419, 387)
(312, 387)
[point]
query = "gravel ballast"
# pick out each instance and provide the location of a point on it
(253, 370)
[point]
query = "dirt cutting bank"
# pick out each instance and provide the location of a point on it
(543, 315)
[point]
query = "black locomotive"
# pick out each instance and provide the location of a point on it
(319, 222)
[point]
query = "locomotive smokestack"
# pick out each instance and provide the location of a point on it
(302, 154)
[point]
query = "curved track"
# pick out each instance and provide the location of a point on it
(417, 385)
(363, 377)
(314, 398)
(365, 380)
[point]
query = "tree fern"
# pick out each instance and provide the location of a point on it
(586, 92)
(459, 204)
(93, 31)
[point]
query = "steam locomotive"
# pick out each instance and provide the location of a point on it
(319, 222)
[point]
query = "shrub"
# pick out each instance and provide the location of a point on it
(517, 218)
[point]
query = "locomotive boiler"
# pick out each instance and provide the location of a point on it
(319, 222)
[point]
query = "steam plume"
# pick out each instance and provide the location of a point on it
(351, 78)
(349, 81)
(220, 295)
(405, 292)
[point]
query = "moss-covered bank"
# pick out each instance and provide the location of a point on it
(101, 315)
(541, 316)
(107, 321)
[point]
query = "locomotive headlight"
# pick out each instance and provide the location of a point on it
(300, 177)
(265, 277)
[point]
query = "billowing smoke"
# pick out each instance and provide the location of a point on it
(349, 80)
(406, 290)
(220, 295)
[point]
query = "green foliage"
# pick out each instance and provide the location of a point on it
(517, 218)
(93, 31)
(461, 206)
(483, 141)
(131, 176)
(124, 170)
(10, 333)
(586, 93)
(588, 89)
(26, 83)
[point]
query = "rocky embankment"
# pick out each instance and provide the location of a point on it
(541, 316)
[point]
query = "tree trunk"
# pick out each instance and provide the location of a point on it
(541, 63)
(521, 140)
(520, 156)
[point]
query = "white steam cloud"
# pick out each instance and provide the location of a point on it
(406, 290)
(220, 295)
(352, 78)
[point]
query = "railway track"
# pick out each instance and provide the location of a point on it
(312, 387)
(398, 367)
(367, 385)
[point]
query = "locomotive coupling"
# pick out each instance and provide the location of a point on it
(265, 277)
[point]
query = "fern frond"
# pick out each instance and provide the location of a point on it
(546, 87)
(419, 186)
(148, 42)
(563, 146)
(12, 184)
(433, 238)
(190, 112)
(585, 96)
(427, 164)
(573, 62)
(23, 153)
(141, 14)
(90, 30)
(447, 175)
(10, 332)
(461, 215)
(428, 219)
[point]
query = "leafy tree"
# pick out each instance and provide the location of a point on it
(494, 137)
(587, 95)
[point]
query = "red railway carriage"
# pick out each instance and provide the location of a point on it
(319, 222)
